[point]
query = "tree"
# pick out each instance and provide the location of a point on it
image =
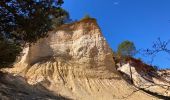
(157, 47)
(8, 53)
(29, 20)
(25, 21)
(127, 48)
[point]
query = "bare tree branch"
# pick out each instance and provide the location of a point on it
(158, 46)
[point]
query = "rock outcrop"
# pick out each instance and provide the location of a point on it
(75, 61)
(165, 74)
(147, 78)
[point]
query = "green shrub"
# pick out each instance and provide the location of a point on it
(86, 17)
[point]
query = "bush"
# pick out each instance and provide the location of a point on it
(156, 67)
(86, 17)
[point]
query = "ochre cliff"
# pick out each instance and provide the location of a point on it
(76, 62)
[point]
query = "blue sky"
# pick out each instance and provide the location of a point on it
(140, 21)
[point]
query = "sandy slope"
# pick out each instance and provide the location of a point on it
(75, 61)
(16, 88)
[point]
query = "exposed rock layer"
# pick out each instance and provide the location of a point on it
(16, 88)
(75, 61)
(147, 79)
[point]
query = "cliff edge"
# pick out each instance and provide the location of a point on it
(76, 62)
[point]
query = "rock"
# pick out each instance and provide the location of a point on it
(147, 80)
(76, 62)
(16, 88)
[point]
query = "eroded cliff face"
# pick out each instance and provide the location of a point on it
(16, 88)
(150, 81)
(146, 77)
(76, 62)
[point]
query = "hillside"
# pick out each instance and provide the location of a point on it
(16, 88)
(145, 77)
(75, 62)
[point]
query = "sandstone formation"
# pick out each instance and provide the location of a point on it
(16, 88)
(165, 74)
(76, 62)
(148, 79)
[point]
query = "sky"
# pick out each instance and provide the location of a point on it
(140, 21)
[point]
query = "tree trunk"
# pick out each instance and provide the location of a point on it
(131, 73)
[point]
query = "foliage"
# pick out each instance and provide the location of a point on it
(8, 52)
(86, 17)
(25, 21)
(156, 67)
(29, 20)
(127, 48)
